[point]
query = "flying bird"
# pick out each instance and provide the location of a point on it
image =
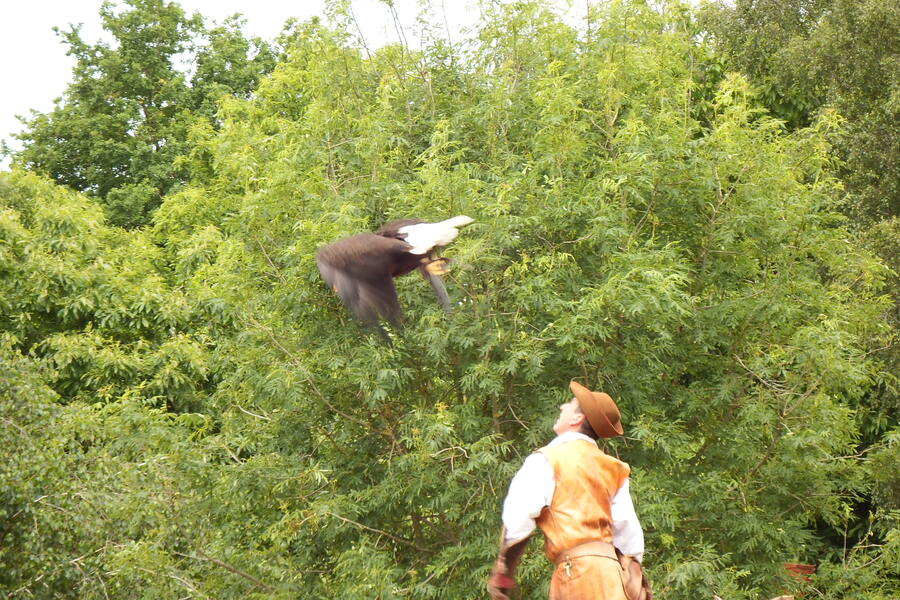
(361, 268)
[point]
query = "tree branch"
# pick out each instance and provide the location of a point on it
(378, 531)
(230, 568)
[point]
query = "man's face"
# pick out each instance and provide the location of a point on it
(570, 417)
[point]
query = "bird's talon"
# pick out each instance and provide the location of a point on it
(437, 267)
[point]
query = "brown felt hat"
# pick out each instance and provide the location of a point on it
(599, 410)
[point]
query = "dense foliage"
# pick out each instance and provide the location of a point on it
(805, 54)
(809, 56)
(191, 413)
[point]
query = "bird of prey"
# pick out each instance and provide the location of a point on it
(361, 268)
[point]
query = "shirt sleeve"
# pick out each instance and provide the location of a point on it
(626, 529)
(529, 492)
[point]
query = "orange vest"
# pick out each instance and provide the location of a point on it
(586, 480)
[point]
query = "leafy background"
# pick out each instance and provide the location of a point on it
(664, 208)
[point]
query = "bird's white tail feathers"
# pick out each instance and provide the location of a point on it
(425, 236)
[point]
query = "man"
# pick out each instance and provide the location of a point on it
(579, 498)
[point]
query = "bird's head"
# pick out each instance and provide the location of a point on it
(392, 229)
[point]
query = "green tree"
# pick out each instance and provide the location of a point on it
(677, 247)
(90, 489)
(94, 301)
(101, 364)
(123, 121)
(806, 54)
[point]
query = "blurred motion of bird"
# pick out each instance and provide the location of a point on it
(361, 268)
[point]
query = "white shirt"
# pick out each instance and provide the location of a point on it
(532, 489)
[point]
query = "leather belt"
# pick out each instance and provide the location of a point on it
(596, 548)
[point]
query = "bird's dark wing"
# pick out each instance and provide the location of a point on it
(360, 269)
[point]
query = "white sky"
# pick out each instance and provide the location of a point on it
(35, 70)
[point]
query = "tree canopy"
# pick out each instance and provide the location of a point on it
(124, 119)
(804, 55)
(195, 414)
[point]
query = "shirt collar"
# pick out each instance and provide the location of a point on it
(570, 436)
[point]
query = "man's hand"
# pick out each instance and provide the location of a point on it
(500, 583)
(499, 586)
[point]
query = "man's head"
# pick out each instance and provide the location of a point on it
(592, 413)
(570, 418)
